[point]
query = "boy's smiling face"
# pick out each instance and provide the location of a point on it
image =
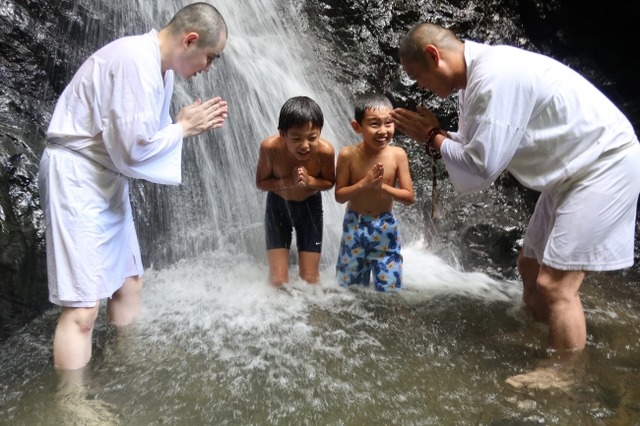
(301, 141)
(377, 128)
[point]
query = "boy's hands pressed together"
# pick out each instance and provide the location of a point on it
(300, 176)
(374, 176)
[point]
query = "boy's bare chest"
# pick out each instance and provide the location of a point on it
(285, 166)
(361, 166)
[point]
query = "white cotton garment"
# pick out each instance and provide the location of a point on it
(557, 134)
(111, 123)
(589, 223)
(531, 115)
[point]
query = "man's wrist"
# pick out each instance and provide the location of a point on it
(431, 138)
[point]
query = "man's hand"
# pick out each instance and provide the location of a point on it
(415, 124)
(202, 116)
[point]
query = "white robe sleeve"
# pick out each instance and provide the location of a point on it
(132, 131)
(498, 103)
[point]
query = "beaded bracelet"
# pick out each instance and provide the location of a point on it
(431, 136)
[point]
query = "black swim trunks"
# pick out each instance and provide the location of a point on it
(282, 216)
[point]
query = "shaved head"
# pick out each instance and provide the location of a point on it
(413, 43)
(201, 18)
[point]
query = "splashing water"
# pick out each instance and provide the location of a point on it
(217, 345)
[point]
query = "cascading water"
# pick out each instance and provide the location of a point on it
(265, 63)
(217, 345)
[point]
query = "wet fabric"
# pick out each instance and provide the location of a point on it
(370, 244)
(531, 115)
(283, 216)
(589, 224)
(557, 134)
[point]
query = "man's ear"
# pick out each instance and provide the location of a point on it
(356, 126)
(190, 38)
(432, 52)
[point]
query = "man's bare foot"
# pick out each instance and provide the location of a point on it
(543, 378)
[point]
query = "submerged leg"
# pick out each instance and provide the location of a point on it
(529, 269)
(126, 303)
(72, 339)
(567, 330)
(309, 266)
(278, 266)
(567, 324)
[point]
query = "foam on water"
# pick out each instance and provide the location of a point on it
(222, 300)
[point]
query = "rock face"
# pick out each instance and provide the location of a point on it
(44, 42)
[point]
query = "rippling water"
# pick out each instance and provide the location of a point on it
(217, 345)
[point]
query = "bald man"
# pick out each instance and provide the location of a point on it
(110, 124)
(554, 132)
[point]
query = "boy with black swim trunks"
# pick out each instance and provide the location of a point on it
(294, 166)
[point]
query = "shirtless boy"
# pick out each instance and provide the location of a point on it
(370, 176)
(293, 167)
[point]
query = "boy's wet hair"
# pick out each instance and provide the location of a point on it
(300, 111)
(370, 101)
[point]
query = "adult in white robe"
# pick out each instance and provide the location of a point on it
(110, 124)
(554, 132)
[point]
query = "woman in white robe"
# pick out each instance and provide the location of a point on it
(112, 123)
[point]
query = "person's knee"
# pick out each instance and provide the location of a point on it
(559, 286)
(310, 277)
(83, 318)
(132, 288)
(522, 263)
(309, 269)
(277, 281)
(278, 276)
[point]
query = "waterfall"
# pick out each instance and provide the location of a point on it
(268, 59)
(217, 345)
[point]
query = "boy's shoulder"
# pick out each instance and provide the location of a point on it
(350, 150)
(272, 141)
(325, 147)
(396, 150)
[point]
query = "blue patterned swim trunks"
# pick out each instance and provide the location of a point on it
(370, 243)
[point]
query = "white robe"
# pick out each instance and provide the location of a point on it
(553, 131)
(530, 115)
(111, 122)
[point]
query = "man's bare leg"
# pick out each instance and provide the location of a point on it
(309, 266)
(567, 330)
(72, 339)
(529, 269)
(278, 266)
(126, 303)
(567, 324)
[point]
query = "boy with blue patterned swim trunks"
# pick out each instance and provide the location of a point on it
(370, 176)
